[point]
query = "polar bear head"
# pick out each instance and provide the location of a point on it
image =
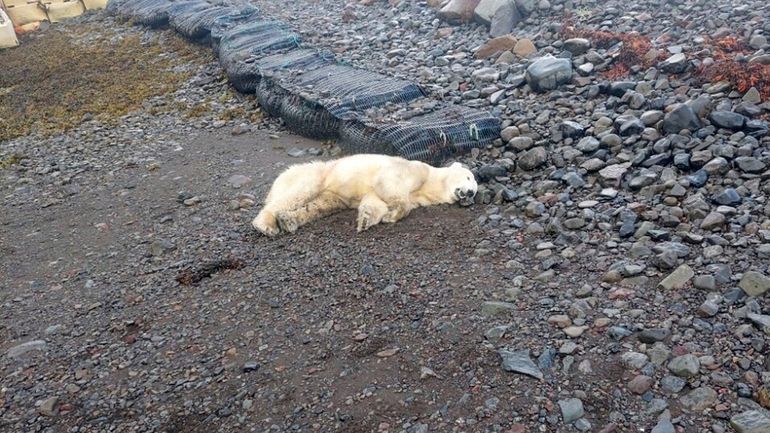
(460, 183)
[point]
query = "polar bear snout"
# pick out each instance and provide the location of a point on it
(464, 193)
(465, 196)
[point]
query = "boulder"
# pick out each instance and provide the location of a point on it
(548, 73)
(458, 10)
(495, 46)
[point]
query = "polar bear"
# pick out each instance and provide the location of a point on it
(382, 188)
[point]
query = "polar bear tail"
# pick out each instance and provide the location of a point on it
(293, 188)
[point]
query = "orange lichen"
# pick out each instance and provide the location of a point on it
(743, 76)
(634, 50)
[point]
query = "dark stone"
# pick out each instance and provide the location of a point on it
(728, 120)
(727, 197)
(699, 178)
(653, 335)
(681, 117)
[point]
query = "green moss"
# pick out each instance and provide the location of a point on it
(54, 79)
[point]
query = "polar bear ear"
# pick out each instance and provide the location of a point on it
(458, 164)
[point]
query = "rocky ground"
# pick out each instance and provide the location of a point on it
(613, 275)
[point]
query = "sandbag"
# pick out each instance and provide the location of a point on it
(27, 13)
(254, 39)
(58, 12)
(432, 137)
(245, 75)
(7, 35)
(317, 101)
(243, 15)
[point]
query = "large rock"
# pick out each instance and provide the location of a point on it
(495, 46)
(29, 346)
(505, 19)
(524, 48)
(533, 158)
(678, 278)
(518, 361)
(750, 422)
(699, 399)
(548, 72)
(577, 46)
(754, 283)
(486, 10)
(458, 10)
(681, 117)
(728, 120)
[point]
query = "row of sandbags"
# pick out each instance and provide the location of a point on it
(315, 94)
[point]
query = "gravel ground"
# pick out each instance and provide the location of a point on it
(613, 275)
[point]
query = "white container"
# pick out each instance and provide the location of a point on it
(7, 34)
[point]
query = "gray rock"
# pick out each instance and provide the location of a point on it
(712, 221)
(664, 426)
(521, 143)
(487, 9)
(699, 399)
(681, 117)
(749, 164)
(23, 348)
(672, 384)
(652, 117)
(754, 283)
(675, 64)
(678, 278)
(496, 333)
(752, 96)
(494, 308)
(49, 407)
(727, 197)
(761, 321)
(588, 145)
(577, 46)
(505, 19)
(705, 282)
(548, 73)
(634, 360)
(519, 362)
(728, 120)
(653, 335)
(751, 421)
(533, 158)
(571, 409)
(238, 180)
(757, 42)
(685, 365)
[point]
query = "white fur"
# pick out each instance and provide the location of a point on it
(382, 188)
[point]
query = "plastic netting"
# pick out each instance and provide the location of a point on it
(251, 39)
(431, 138)
(245, 75)
(221, 25)
(197, 23)
(316, 101)
(151, 13)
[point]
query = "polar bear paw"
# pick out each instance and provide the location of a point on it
(287, 222)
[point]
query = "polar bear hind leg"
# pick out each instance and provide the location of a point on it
(370, 212)
(326, 203)
(293, 189)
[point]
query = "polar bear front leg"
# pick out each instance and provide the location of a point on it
(326, 203)
(371, 210)
(397, 210)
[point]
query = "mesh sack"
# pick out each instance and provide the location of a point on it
(154, 13)
(270, 96)
(254, 39)
(197, 24)
(244, 14)
(431, 138)
(245, 75)
(319, 100)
